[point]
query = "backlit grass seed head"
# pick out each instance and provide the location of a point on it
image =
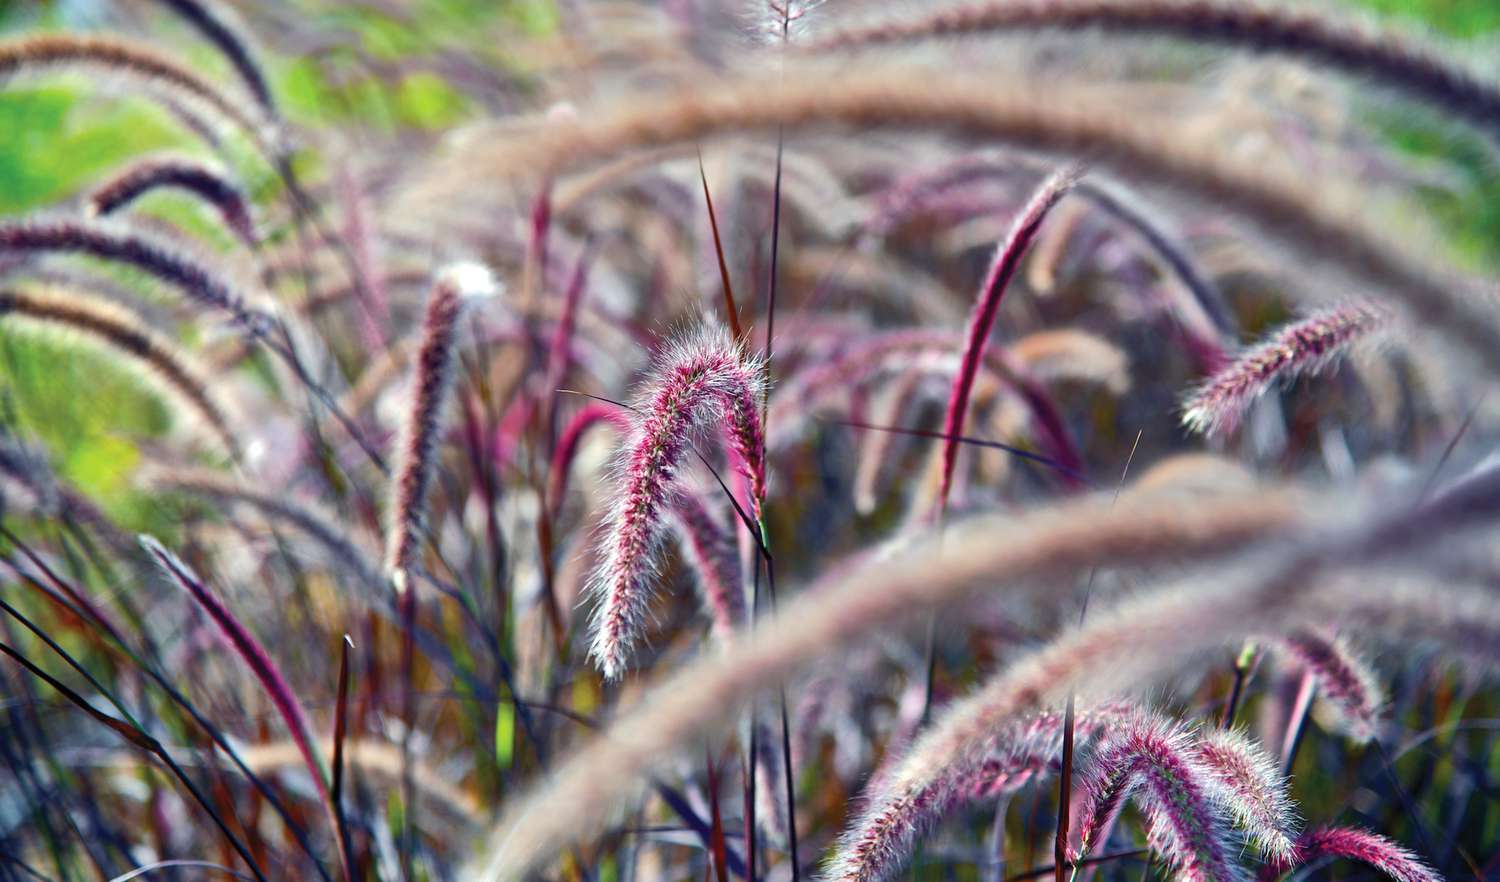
(1350, 692)
(432, 380)
(1353, 844)
(901, 808)
(1303, 347)
(701, 381)
(1256, 789)
(1153, 761)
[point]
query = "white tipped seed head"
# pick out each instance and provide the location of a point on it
(470, 279)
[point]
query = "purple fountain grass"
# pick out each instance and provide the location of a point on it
(714, 555)
(123, 333)
(982, 320)
(265, 670)
(143, 63)
(699, 380)
(1153, 761)
(1354, 844)
(1303, 347)
(190, 175)
(900, 810)
(431, 383)
(1257, 789)
(570, 439)
(1391, 60)
(254, 655)
(105, 241)
(1347, 686)
(213, 23)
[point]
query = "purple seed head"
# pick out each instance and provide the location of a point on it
(1349, 689)
(1153, 761)
(700, 381)
(1303, 347)
(187, 174)
(431, 383)
(1354, 844)
(1255, 789)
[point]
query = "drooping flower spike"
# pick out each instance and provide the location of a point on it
(1349, 690)
(1355, 844)
(1301, 348)
(699, 381)
(1153, 761)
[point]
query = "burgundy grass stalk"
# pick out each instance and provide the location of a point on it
(249, 649)
(189, 175)
(255, 657)
(561, 347)
(982, 319)
(701, 380)
(431, 382)
(1355, 844)
(570, 439)
(1303, 347)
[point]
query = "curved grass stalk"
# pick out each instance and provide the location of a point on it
(1318, 228)
(184, 173)
(982, 320)
(122, 333)
(1389, 59)
(1143, 640)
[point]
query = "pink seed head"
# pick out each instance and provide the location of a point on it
(699, 381)
(1303, 347)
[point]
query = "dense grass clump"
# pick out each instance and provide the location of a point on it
(665, 441)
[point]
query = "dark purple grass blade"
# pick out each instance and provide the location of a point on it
(261, 665)
(982, 319)
(340, 730)
(731, 311)
(253, 654)
(716, 838)
(1019, 452)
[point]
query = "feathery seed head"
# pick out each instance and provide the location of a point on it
(421, 433)
(1303, 347)
(699, 380)
(1355, 844)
